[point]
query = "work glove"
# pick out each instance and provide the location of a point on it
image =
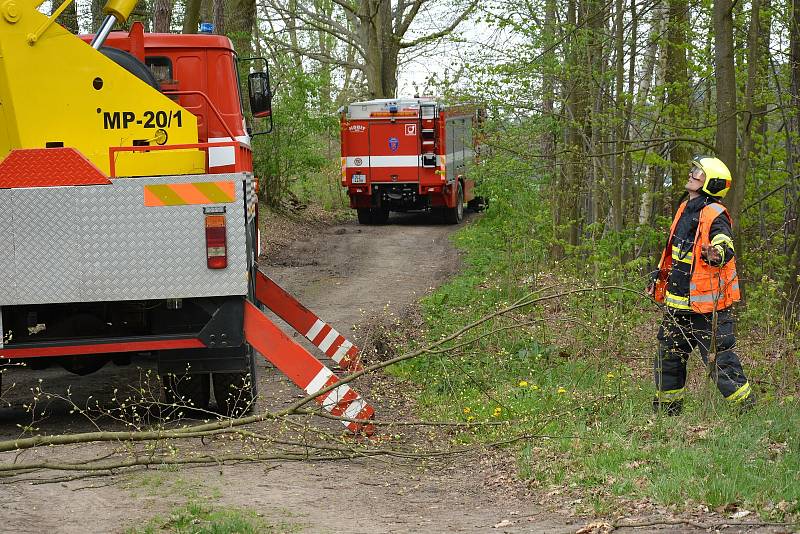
(711, 255)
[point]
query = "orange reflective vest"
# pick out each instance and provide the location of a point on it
(711, 288)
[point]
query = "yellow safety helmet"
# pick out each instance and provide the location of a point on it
(718, 177)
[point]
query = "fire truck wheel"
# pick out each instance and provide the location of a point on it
(188, 391)
(380, 215)
(455, 214)
(364, 216)
(236, 392)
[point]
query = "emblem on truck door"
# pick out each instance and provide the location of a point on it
(394, 144)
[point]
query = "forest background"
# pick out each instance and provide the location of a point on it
(594, 110)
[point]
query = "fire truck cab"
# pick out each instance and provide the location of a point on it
(408, 154)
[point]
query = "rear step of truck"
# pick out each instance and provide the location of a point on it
(294, 361)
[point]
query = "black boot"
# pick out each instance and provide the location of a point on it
(670, 408)
(746, 405)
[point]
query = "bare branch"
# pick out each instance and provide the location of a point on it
(447, 31)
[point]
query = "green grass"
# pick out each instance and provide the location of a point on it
(576, 373)
(168, 482)
(196, 518)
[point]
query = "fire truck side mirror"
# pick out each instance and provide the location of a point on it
(260, 94)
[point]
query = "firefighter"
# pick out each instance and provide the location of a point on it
(696, 280)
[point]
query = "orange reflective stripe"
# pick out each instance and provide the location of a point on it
(193, 193)
(189, 193)
(151, 199)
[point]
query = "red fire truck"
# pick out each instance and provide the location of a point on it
(408, 154)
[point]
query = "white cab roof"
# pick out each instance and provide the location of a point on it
(362, 110)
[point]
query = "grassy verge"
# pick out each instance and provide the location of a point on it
(194, 511)
(575, 373)
(196, 518)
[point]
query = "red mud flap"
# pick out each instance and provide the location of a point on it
(304, 370)
(320, 333)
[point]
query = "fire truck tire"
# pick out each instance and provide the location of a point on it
(380, 215)
(130, 63)
(364, 215)
(188, 391)
(455, 214)
(236, 392)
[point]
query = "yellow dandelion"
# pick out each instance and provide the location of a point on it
(497, 412)
(561, 390)
(610, 375)
(467, 410)
(470, 419)
(523, 383)
(534, 387)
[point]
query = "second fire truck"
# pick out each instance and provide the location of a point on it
(408, 154)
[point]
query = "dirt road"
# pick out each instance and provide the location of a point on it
(346, 273)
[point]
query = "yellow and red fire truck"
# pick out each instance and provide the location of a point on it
(129, 214)
(409, 154)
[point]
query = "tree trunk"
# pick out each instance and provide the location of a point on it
(380, 46)
(326, 43)
(240, 24)
(218, 9)
(678, 94)
(548, 139)
(725, 76)
(751, 120)
(653, 174)
(191, 18)
(617, 210)
(162, 16)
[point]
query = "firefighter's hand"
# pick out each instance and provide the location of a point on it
(711, 255)
(651, 289)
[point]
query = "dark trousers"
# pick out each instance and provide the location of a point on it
(679, 335)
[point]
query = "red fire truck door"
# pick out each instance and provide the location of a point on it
(394, 149)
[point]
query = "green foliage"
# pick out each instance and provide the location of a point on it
(574, 373)
(323, 188)
(301, 144)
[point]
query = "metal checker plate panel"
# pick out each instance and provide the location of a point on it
(47, 262)
(100, 243)
(7, 280)
(252, 199)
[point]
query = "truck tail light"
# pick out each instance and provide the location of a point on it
(216, 242)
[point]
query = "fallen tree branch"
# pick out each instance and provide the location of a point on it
(222, 426)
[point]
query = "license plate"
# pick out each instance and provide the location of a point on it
(359, 179)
